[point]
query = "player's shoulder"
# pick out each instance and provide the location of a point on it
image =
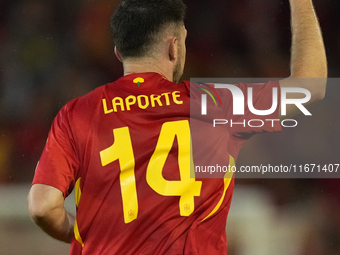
(197, 88)
(88, 99)
(83, 105)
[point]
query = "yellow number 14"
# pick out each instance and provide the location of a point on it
(186, 188)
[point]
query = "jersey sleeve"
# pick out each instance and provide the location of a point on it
(59, 163)
(246, 125)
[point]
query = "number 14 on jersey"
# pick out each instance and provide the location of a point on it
(186, 188)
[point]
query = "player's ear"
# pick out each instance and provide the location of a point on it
(118, 55)
(173, 48)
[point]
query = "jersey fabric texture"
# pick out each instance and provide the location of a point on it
(126, 150)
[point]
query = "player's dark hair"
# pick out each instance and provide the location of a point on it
(135, 23)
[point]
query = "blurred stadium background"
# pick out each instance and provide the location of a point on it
(54, 50)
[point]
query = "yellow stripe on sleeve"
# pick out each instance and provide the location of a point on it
(77, 192)
(77, 234)
(77, 196)
(227, 179)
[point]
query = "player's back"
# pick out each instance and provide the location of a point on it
(133, 185)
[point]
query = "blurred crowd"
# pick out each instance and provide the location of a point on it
(52, 51)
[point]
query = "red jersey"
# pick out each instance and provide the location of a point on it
(126, 149)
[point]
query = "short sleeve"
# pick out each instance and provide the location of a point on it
(59, 163)
(263, 97)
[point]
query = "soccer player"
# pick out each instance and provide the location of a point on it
(126, 146)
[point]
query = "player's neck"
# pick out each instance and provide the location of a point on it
(146, 66)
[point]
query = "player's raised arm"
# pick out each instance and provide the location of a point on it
(308, 57)
(46, 208)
